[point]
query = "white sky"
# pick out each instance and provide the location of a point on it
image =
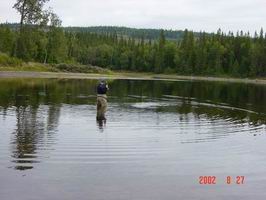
(208, 15)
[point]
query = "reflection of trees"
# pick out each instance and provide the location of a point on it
(32, 125)
(27, 136)
(244, 96)
(53, 117)
(215, 111)
(32, 130)
(38, 104)
(71, 91)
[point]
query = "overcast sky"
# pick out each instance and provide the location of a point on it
(208, 15)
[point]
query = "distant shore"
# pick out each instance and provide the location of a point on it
(124, 75)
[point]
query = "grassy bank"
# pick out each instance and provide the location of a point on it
(13, 67)
(37, 67)
(8, 63)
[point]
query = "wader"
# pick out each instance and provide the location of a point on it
(101, 106)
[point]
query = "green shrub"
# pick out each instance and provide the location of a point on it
(8, 61)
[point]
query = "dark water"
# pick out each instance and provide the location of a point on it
(159, 138)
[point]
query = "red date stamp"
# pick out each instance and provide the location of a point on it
(212, 180)
(207, 180)
(239, 180)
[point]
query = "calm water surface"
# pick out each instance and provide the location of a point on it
(159, 138)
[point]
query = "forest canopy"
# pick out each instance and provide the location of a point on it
(40, 38)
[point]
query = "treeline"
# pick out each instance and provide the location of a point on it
(32, 43)
(223, 54)
(147, 34)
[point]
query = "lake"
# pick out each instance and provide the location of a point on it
(161, 140)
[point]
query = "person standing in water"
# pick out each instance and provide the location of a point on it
(102, 89)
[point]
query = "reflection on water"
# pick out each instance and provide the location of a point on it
(101, 124)
(33, 125)
(157, 129)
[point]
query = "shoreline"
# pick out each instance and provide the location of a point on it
(124, 75)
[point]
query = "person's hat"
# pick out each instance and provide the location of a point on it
(102, 80)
